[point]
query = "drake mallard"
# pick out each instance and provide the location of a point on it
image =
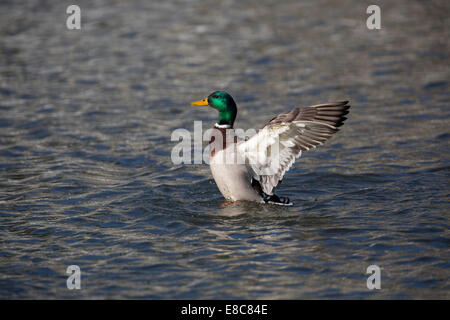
(251, 168)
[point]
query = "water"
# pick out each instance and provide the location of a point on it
(86, 176)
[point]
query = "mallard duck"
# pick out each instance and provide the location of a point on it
(251, 168)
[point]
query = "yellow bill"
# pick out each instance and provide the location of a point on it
(203, 102)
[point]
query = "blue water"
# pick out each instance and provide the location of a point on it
(86, 176)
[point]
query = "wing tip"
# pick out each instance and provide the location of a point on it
(339, 107)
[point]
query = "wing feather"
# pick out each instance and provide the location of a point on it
(271, 152)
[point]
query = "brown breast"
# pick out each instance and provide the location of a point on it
(218, 140)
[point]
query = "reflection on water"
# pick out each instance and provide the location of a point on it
(85, 170)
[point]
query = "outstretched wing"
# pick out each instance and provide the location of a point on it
(273, 150)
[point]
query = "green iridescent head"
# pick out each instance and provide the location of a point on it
(222, 102)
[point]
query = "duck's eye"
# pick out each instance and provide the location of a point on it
(215, 97)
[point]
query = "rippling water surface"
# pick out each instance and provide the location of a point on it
(86, 176)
